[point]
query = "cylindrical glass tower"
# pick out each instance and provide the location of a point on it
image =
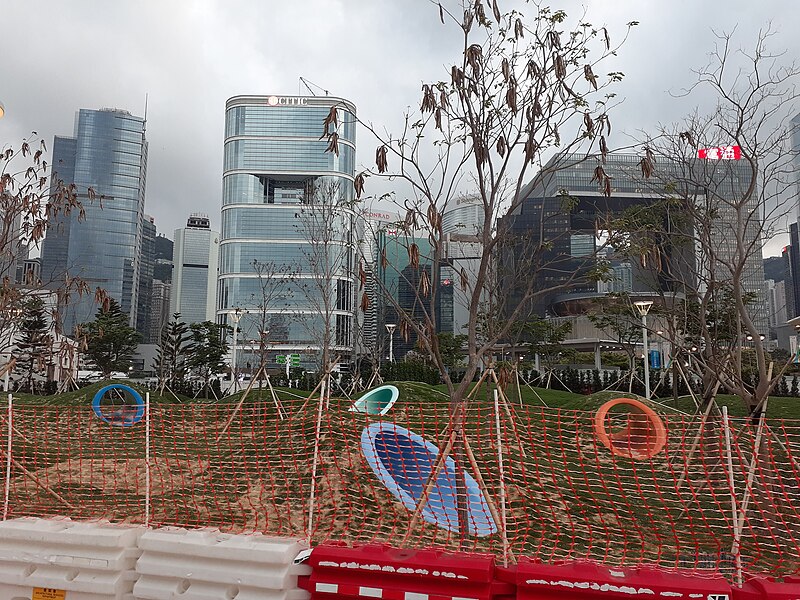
(287, 245)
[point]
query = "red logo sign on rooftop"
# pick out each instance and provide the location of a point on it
(720, 153)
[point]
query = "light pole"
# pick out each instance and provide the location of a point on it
(644, 306)
(235, 316)
(390, 327)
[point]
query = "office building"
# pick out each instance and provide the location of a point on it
(29, 272)
(162, 269)
(466, 217)
(281, 192)
(399, 285)
(194, 279)
(374, 222)
(160, 313)
(776, 302)
(461, 226)
(147, 259)
(107, 153)
(565, 218)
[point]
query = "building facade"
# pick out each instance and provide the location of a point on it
(466, 218)
(284, 226)
(108, 153)
(147, 260)
(566, 214)
(194, 279)
(160, 313)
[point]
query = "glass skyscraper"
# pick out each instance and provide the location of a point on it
(194, 279)
(284, 225)
(107, 153)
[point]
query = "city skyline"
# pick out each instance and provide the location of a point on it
(187, 78)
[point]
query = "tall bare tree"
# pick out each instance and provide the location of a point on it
(272, 302)
(730, 174)
(327, 280)
(31, 198)
(521, 87)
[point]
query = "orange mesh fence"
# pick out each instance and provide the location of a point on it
(562, 494)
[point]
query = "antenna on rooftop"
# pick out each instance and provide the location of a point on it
(308, 85)
(144, 124)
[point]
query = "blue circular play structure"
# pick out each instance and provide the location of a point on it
(403, 461)
(378, 401)
(123, 411)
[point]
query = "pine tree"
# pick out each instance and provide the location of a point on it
(173, 351)
(783, 387)
(208, 350)
(35, 340)
(110, 340)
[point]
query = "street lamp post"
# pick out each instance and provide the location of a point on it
(390, 327)
(644, 306)
(235, 316)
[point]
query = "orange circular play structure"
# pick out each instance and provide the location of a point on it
(642, 434)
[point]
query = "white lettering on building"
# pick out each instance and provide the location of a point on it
(287, 101)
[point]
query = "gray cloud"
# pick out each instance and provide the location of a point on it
(189, 57)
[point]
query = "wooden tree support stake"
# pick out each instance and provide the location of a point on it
(437, 468)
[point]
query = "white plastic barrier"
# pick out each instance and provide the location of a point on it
(208, 565)
(88, 561)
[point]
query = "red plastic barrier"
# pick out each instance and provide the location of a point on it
(768, 589)
(586, 580)
(380, 571)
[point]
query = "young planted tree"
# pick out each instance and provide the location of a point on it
(271, 304)
(208, 351)
(172, 353)
(110, 341)
(34, 343)
(327, 280)
(545, 339)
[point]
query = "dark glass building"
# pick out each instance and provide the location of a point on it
(107, 153)
(564, 220)
(146, 265)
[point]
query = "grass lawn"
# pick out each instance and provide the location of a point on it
(778, 408)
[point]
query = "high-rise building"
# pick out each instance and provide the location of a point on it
(194, 281)
(565, 237)
(461, 226)
(162, 270)
(108, 153)
(279, 183)
(399, 289)
(374, 223)
(776, 302)
(466, 217)
(147, 260)
(159, 309)
(789, 282)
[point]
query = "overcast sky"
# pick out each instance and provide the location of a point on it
(189, 56)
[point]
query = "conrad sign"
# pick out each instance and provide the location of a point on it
(287, 101)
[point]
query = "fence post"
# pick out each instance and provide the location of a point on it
(147, 459)
(732, 485)
(502, 477)
(312, 495)
(8, 455)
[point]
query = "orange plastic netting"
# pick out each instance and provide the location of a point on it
(566, 495)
